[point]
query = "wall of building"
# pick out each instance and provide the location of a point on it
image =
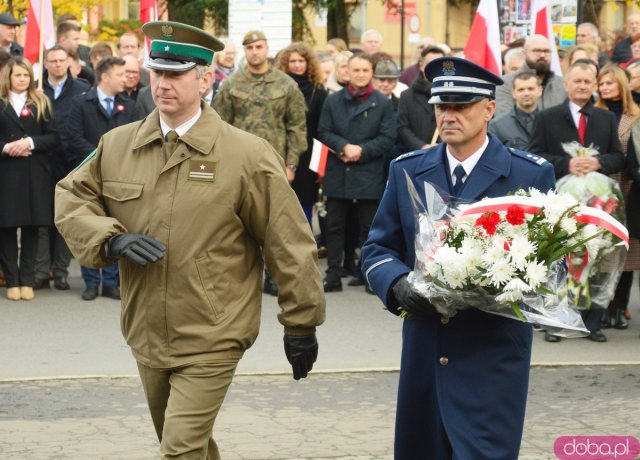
(446, 24)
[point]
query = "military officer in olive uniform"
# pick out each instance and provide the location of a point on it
(192, 209)
(463, 381)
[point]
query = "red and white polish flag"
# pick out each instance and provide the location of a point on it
(483, 44)
(39, 35)
(319, 155)
(541, 25)
(148, 13)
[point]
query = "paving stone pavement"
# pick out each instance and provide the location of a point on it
(341, 415)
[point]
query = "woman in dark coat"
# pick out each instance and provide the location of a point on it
(27, 135)
(299, 62)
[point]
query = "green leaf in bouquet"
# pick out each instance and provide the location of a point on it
(516, 310)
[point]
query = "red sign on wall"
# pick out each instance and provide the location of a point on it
(393, 11)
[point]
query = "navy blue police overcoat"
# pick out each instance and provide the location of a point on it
(463, 381)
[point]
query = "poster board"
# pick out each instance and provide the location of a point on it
(273, 17)
(515, 20)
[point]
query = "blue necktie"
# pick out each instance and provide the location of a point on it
(109, 103)
(459, 173)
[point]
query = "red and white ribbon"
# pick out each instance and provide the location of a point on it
(531, 205)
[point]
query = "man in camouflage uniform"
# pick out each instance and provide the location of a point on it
(266, 102)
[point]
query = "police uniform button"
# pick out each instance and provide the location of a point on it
(444, 320)
(444, 360)
(183, 154)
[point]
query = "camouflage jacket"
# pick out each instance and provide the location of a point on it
(270, 106)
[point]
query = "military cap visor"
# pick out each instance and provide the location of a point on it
(177, 47)
(458, 81)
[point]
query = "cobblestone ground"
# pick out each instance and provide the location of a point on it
(342, 415)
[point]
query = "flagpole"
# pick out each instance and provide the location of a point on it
(434, 139)
(41, 47)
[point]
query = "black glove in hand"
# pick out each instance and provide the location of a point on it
(301, 353)
(410, 300)
(137, 247)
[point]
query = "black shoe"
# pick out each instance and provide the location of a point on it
(551, 338)
(357, 281)
(621, 320)
(90, 293)
(41, 283)
(113, 292)
(61, 283)
(597, 336)
(331, 285)
(270, 287)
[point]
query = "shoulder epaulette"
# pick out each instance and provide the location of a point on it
(532, 157)
(412, 154)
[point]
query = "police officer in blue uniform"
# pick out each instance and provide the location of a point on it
(463, 380)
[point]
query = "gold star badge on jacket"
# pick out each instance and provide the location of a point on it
(204, 171)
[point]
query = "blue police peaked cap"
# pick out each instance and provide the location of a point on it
(458, 81)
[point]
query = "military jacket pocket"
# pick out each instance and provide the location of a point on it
(121, 191)
(209, 281)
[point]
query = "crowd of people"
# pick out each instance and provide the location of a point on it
(355, 100)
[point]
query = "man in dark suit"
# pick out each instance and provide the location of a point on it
(463, 380)
(577, 120)
(8, 26)
(92, 115)
(514, 127)
(144, 103)
(60, 88)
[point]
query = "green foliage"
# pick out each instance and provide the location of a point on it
(109, 31)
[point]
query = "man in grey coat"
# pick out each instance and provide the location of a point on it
(514, 127)
(537, 56)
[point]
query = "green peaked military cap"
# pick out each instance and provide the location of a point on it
(177, 47)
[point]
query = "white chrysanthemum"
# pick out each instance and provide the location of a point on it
(500, 272)
(556, 205)
(569, 225)
(509, 296)
(521, 248)
(516, 284)
(472, 251)
(454, 270)
(535, 274)
(595, 244)
(493, 254)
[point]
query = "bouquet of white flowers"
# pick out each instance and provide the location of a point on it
(594, 270)
(503, 255)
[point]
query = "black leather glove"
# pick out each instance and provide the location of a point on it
(301, 353)
(137, 247)
(410, 300)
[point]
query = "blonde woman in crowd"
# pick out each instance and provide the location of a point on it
(335, 46)
(340, 76)
(615, 95)
(27, 135)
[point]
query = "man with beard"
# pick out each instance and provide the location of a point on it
(537, 57)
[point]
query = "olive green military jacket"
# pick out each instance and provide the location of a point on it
(270, 106)
(221, 205)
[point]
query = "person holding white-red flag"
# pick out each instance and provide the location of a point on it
(537, 57)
